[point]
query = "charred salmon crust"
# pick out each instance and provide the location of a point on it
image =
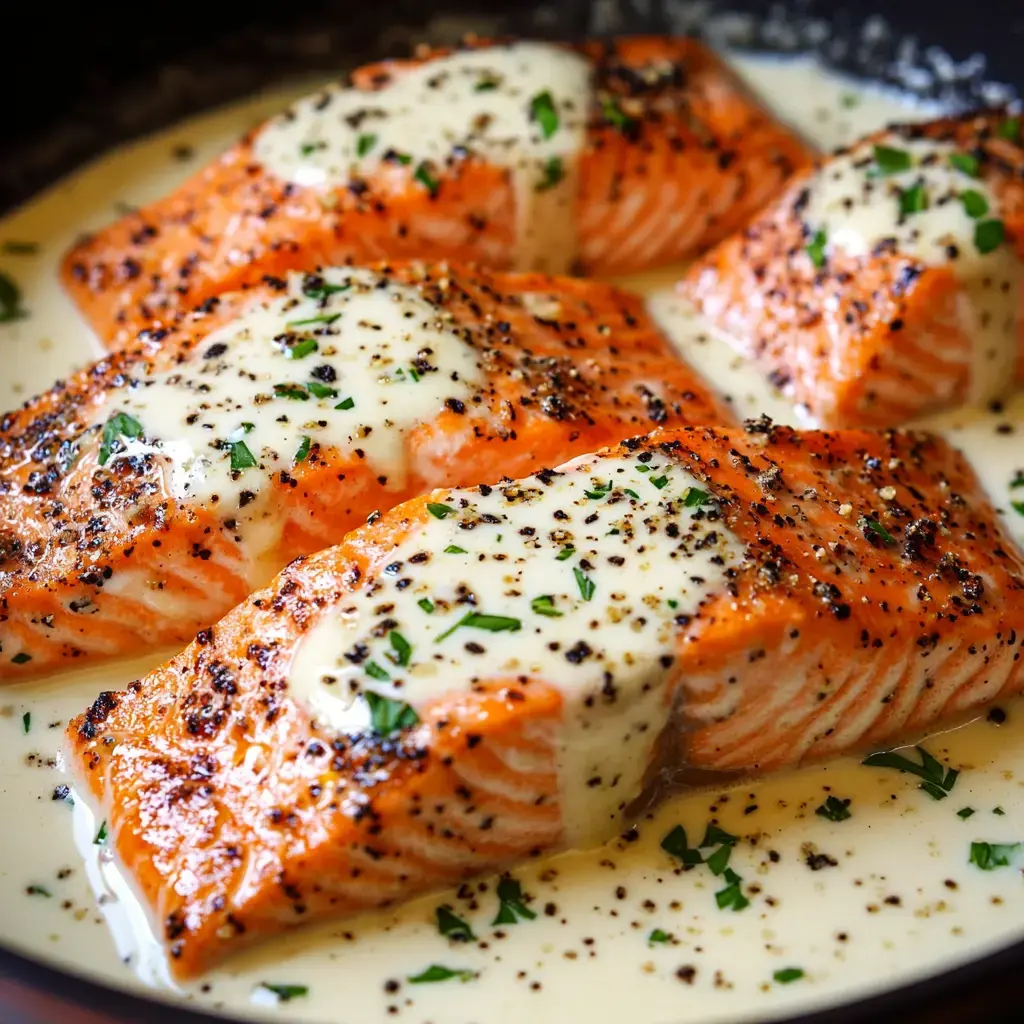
(150, 492)
(888, 282)
(794, 595)
(645, 151)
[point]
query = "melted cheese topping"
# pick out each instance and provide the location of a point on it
(576, 578)
(521, 106)
(350, 361)
(935, 211)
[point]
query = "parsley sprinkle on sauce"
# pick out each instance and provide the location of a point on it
(938, 779)
(787, 975)
(453, 927)
(542, 110)
(834, 809)
(438, 972)
(389, 716)
(285, 993)
(512, 906)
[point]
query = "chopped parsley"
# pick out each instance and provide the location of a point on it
(913, 199)
(26, 721)
(38, 890)
(346, 403)
(999, 811)
(512, 908)
(439, 511)
(890, 161)
(21, 658)
(1009, 129)
(873, 526)
(304, 348)
(295, 392)
(307, 148)
(585, 583)
(101, 835)
(552, 175)
(732, 895)
(374, 671)
(10, 300)
(989, 235)
(121, 424)
(694, 496)
(788, 974)
(676, 845)
(965, 812)
(599, 491)
(816, 248)
(615, 115)
(14, 247)
(318, 390)
(401, 650)
(364, 144)
(302, 452)
(316, 288)
(545, 605)
(834, 809)
(477, 620)
(453, 927)
(426, 178)
(389, 716)
(542, 110)
(718, 861)
(565, 554)
(426, 604)
(965, 163)
(454, 549)
(486, 85)
(659, 936)
(989, 856)
(975, 204)
(320, 318)
(437, 972)
(241, 457)
(938, 780)
(713, 835)
(286, 992)
(659, 481)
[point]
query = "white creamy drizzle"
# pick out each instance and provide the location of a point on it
(575, 578)
(429, 118)
(859, 209)
(349, 360)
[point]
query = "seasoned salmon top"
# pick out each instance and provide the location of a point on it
(607, 157)
(484, 673)
(147, 494)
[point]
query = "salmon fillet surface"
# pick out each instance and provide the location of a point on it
(888, 283)
(600, 158)
(149, 493)
(484, 674)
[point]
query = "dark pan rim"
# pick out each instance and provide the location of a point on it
(927, 994)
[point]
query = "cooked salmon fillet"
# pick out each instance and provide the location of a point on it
(602, 158)
(888, 282)
(484, 674)
(149, 493)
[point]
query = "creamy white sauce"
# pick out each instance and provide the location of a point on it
(591, 954)
(909, 195)
(572, 579)
(349, 360)
(521, 106)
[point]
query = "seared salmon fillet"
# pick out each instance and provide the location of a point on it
(888, 282)
(601, 158)
(152, 491)
(483, 674)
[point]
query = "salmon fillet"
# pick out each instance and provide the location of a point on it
(600, 158)
(152, 491)
(888, 282)
(484, 674)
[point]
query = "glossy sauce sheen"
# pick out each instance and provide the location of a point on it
(894, 895)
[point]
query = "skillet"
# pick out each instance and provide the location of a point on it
(78, 83)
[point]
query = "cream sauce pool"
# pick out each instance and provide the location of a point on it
(620, 932)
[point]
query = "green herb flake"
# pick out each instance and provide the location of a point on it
(659, 481)
(1018, 507)
(453, 927)
(718, 861)
(989, 856)
(241, 457)
(965, 812)
(676, 845)
(989, 235)
(658, 936)
(631, 493)
(816, 249)
(974, 203)
(552, 173)
(346, 403)
(788, 974)
(890, 161)
(426, 178)
(302, 452)
(477, 620)
(426, 604)
(713, 835)
(874, 527)
(14, 247)
(999, 811)
(439, 511)
(913, 199)
(318, 390)
(672, 603)
(565, 554)
(454, 549)
(585, 583)
(486, 85)
(120, 425)
(615, 115)
(365, 143)
(1009, 129)
(834, 809)
(321, 318)
(389, 716)
(938, 780)
(965, 164)
(542, 110)
(374, 671)
(295, 392)
(545, 605)
(316, 288)
(304, 348)
(308, 148)
(26, 722)
(286, 993)
(401, 650)
(732, 895)
(101, 835)
(38, 890)
(21, 658)
(438, 972)
(694, 497)
(512, 907)
(10, 300)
